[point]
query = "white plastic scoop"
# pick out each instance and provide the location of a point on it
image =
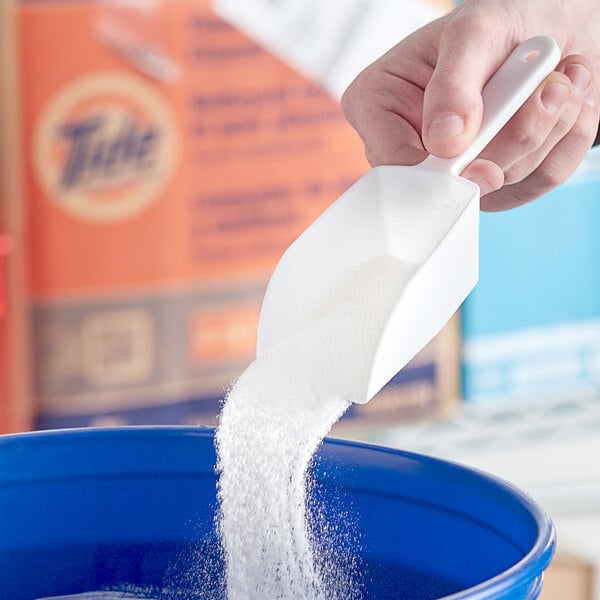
(425, 215)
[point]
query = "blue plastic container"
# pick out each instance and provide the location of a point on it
(99, 509)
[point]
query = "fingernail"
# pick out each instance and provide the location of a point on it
(484, 186)
(554, 95)
(445, 126)
(590, 99)
(580, 77)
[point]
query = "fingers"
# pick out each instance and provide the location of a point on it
(578, 70)
(385, 110)
(556, 166)
(543, 143)
(542, 121)
(472, 46)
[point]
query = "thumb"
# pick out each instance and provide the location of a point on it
(469, 53)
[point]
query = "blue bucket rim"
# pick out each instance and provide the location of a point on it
(536, 560)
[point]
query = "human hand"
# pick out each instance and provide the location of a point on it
(424, 96)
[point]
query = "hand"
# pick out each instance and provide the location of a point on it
(424, 96)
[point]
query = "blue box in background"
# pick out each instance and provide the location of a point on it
(532, 324)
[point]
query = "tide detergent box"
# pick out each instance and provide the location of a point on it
(168, 162)
(16, 408)
(532, 324)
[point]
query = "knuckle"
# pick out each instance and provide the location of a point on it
(470, 20)
(474, 22)
(528, 136)
(580, 136)
(572, 123)
(548, 177)
(447, 85)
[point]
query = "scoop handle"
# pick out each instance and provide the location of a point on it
(506, 91)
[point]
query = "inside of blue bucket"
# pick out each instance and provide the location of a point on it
(134, 510)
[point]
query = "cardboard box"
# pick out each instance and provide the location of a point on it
(532, 324)
(169, 161)
(15, 393)
(568, 577)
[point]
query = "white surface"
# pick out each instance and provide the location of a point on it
(550, 447)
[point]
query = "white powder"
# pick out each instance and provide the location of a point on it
(272, 422)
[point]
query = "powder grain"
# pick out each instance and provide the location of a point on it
(272, 422)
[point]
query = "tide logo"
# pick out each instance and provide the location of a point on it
(106, 147)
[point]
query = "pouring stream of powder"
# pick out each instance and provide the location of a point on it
(273, 421)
